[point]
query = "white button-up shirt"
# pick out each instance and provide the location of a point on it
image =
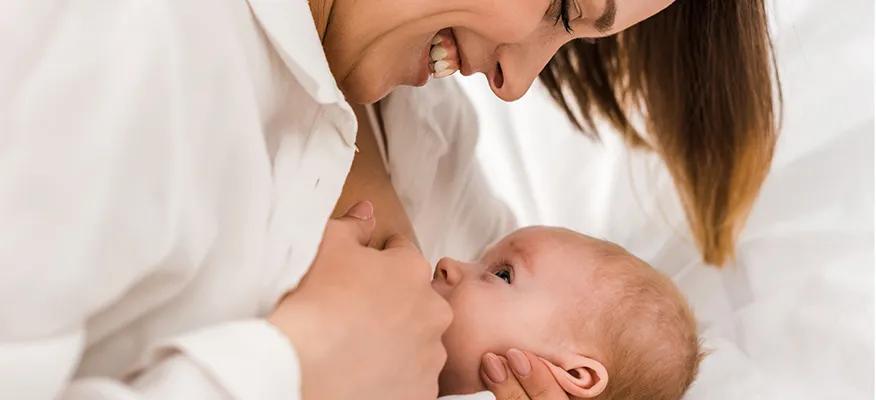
(166, 172)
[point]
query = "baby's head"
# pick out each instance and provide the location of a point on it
(613, 326)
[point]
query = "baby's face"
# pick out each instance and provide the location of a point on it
(520, 294)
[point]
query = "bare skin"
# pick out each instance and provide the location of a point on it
(396, 320)
(373, 47)
(369, 180)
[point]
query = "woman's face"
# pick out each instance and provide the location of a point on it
(374, 46)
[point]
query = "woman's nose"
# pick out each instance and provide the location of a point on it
(508, 81)
(517, 67)
(448, 271)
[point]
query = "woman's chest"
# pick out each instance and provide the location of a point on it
(253, 214)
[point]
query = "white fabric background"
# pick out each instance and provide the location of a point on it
(793, 317)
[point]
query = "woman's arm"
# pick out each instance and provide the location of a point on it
(94, 154)
(369, 180)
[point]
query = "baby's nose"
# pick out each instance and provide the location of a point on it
(448, 271)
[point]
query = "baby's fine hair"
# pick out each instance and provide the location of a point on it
(647, 328)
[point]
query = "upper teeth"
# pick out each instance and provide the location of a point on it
(441, 67)
(438, 53)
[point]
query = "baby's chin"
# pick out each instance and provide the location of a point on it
(453, 381)
(461, 373)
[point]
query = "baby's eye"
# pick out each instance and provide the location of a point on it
(504, 273)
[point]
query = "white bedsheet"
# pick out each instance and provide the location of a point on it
(793, 317)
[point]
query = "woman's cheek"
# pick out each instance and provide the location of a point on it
(509, 21)
(629, 14)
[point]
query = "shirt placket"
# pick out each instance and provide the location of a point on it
(309, 176)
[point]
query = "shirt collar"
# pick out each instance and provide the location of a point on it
(289, 27)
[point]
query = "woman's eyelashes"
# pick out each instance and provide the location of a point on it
(561, 12)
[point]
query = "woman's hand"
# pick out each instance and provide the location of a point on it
(366, 323)
(519, 375)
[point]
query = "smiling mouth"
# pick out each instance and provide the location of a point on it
(445, 57)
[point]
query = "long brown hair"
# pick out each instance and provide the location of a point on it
(702, 74)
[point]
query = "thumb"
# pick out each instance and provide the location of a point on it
(358, 222)
(398, 241)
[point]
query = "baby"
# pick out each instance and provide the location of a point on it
(607, 324)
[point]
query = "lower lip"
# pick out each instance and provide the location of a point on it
(463, 68)
(425, 70)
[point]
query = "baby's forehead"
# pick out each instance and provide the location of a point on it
(563, 257)
(587, 275)
(599, 265)
(568, 243)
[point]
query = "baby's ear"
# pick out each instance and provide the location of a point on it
(583, 377)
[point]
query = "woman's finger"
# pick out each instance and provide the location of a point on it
(534, 376)
(499, 379)
(357, 223)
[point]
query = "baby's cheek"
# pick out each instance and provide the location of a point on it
(477, 328)
(463, 343)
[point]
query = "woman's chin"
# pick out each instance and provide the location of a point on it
(365, 92)
(450, 382)
(370, 81)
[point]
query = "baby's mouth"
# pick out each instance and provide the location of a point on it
(444, 54)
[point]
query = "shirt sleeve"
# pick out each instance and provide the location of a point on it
(238, 360)
(473, 396)
(93, 188)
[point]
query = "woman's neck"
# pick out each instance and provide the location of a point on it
(321, 10)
